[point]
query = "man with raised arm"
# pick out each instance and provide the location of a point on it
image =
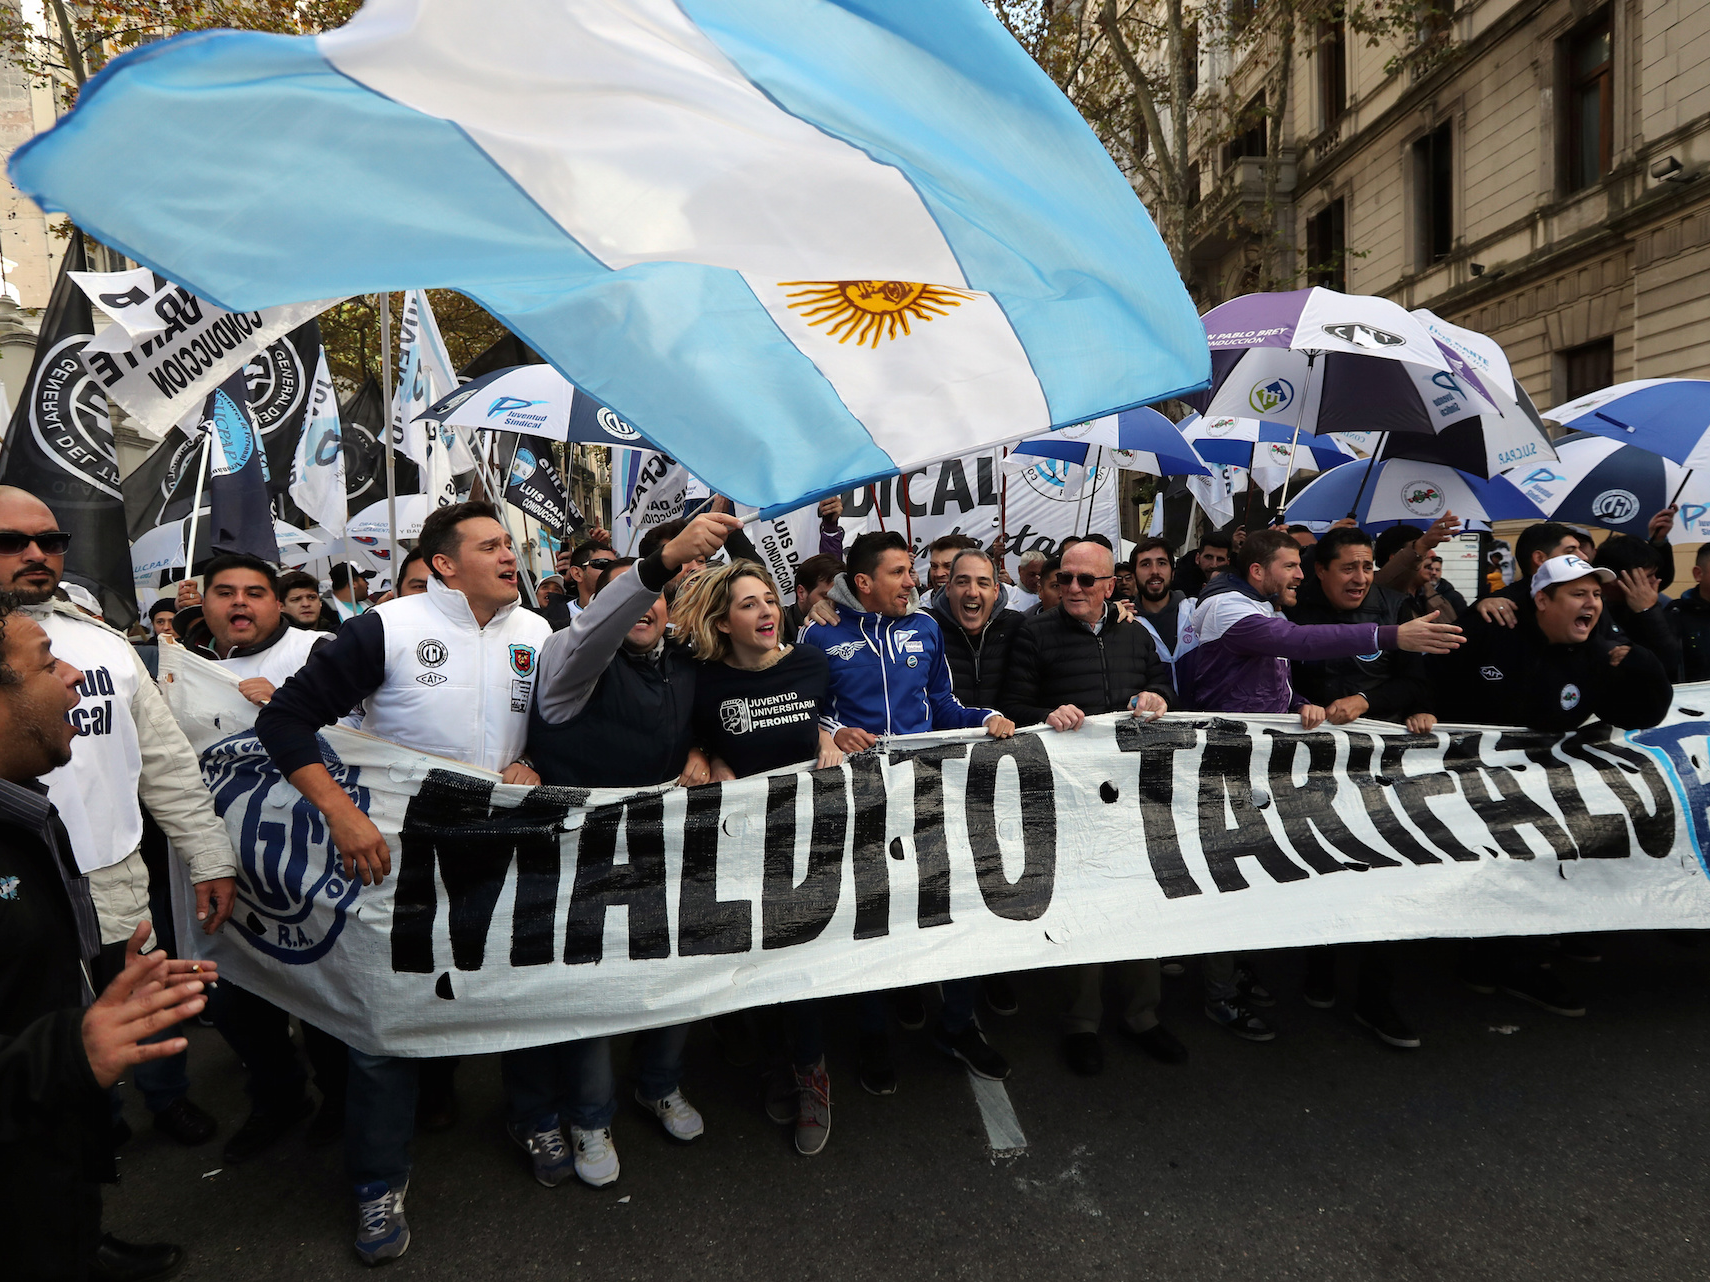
(469, 634)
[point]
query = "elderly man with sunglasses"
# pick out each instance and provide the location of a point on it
(128, 747)
(1067, 664)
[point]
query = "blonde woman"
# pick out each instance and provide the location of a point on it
(757, 707)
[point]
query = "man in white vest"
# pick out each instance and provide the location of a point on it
(128, 747)
(242, 625)
(450, 672)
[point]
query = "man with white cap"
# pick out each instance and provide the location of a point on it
(1552, 671)
(1549, 672)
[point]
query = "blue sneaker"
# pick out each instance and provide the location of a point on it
(543, 1140)
(381, 1232)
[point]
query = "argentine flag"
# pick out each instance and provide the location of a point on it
(801, 244)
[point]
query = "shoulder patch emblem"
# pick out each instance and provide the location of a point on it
(846, 650)
(522, 660)
(431, 654)
(8, 887)
(1490, 673)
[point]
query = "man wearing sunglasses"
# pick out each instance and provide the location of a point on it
(128, 748)
(1065, 665)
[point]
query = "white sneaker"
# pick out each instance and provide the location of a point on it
(679, 1117)
(596, 1156)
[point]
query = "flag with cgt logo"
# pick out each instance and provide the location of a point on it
(59, 447)
(238, 512)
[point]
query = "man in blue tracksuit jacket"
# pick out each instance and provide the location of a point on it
(889, 676)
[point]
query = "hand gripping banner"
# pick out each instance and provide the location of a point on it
(517, 916)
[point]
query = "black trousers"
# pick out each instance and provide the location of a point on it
(260, 1033)
(53, 1213)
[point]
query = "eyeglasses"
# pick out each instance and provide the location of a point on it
(51, 542)
(1064, 579)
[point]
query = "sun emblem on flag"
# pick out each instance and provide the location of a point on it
(868, 310)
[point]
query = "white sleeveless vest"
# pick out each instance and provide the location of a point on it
(452, 688)
(97, 792)
(280, 661)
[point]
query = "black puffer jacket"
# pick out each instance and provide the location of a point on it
(1057, 659)
(977, 663)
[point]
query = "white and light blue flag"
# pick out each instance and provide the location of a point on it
(798, 243)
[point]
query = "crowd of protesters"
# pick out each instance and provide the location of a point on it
(634, 659)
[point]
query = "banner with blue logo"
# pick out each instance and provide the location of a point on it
(238, 509)
(518, 916)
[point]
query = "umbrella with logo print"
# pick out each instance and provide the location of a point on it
(1597, 480)
(1392, 491)
(533, 400)
(1319, 361)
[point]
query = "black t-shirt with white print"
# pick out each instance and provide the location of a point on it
(759, 721)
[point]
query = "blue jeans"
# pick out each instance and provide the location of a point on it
(379, 1118)
(574, 1080)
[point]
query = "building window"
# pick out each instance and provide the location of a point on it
(1333, 71)
(1326, 247)
(1193, 188)
(1433, 179)
(1591, 104)
(1250, 140)
(1589, 368)
(1241, 12)
(1190, 58)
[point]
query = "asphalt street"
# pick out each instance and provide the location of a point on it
(1514, 1145)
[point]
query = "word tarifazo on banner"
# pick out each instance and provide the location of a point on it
(518, 916)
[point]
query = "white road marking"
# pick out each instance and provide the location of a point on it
(1002, 1128)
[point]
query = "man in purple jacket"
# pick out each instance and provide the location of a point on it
(1241, 664)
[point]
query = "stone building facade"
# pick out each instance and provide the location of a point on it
(1546, 184)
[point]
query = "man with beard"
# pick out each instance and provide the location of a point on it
(1162, 609)
(128, 749)
(1212, 558)
(62, 1049)
(1241, 664)
(241, 625)
(972, 612)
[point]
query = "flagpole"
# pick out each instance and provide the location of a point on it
(391, 456)
(1092, 497)
(1311, 358)
(1354, 512)
(196, 503)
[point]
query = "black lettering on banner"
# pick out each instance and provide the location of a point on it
(435, 813)
(984, 482)
(872, 872)
(931, 847)
(1029, 895)
(450, 824)
(1511, 808)
(905, 497)
(1595, 836)
(1376, 801)
(1414, 790)
(1654, 828)
(602, 883)
(540, 822)
(1157, 746)
(1312, 807)
(952, 487)
(1225, 778)
(792, 914)
(706, 924)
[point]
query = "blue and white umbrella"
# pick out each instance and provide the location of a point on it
(1667, 416)
(1596, 480)
(1397, 490)
(1247, 442)
(1141, 440)
(533, 400)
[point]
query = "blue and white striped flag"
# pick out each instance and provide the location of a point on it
(798, 243)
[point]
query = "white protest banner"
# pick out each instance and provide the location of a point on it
(317, 467)
(1042, 505)
(654, 497)
(783, 543)
(181, 347)
(929, 858)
